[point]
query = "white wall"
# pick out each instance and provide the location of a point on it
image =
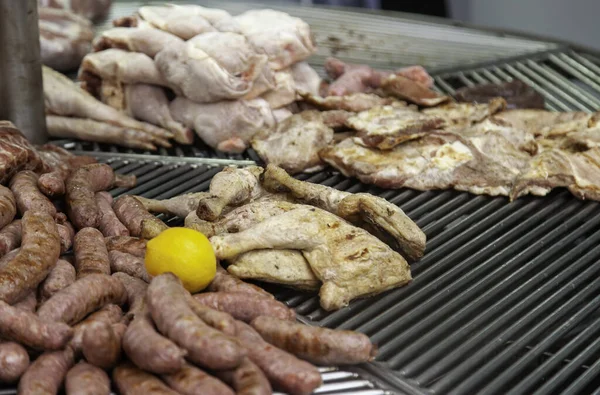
(573, 20)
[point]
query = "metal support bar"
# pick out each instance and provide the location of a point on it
(21, 87)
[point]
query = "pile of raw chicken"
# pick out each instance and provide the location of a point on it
(77, 305)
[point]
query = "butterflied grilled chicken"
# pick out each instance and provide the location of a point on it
(295, 143)
(90, 9)
(65, 38)
(63, 98)
(285, 39)
(349, 261)
(228, 125)
(180, 205)
(16, 153)
(375, 214)
(354, 102)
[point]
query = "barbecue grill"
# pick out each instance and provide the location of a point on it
(507, 296)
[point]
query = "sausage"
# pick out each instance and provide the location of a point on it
(61, 276)
(10, 237)
(28, 303)
(150, 350)
(109, 223)
(245, 307)
(86, 379)
(39, 252)
(136, 294)
(247, 379)
(322, 346)
(130, 245)
(65, 232)
(81, 188)
(28, 329)
(110, 314)
(125, 181)
(8, 206)
(129, 264)
(52, 184)
(9, 257)
(133, 381)
(46, 374)
(100, 345)
(191, 381)
(91, 255)
(132, 213)
(27, 195)
(14, 360)
(84, 296)
(205, 345)
(286, 372)
(217, 319)
(225, 282)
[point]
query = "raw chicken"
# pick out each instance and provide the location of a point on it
(64, 98)
(90, 9)
(201, 78)
(349, 261)
(306, 78)
(144, 40)
(295, 143)
(284, 92)
(65, 38)
(120, 66)
(284, 39)
(380, 217)
(228, 125)
(187, 21)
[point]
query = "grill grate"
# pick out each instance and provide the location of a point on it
(505, 299)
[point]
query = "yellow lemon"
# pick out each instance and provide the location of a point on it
(184, 252)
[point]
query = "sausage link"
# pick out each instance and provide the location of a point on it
(318, 345)
(8, 206)
(27, 195)
(65, 232)
(191, 381)
(286, 372)
(84, 296)
(28, 329)
(125, 181)
(109, 223)
(109, 314)
(61, 276)
(52, 184)
(28, 303)
(86, 379)
(217, 319)
(14, 360)
(225, 282)
(150, 350)
(10, 237)
(133, 381)
(205, 345)
(136, 294)
(91, 255)
(132, 214)
(245, 307)
(247, 379)
(39, 252)
(46, 374)
(129, 264)
(81, 188)
(100, 345)
(130, 245)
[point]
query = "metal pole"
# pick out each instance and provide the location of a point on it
(21, 88)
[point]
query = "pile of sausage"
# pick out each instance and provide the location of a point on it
(78, 307)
